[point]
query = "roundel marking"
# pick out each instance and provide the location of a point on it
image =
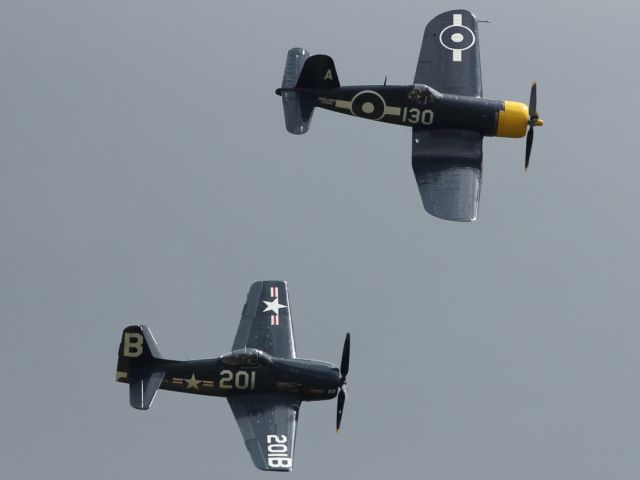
(457, 38)
(368, 104)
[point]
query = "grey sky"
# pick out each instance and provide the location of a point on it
(146, 177)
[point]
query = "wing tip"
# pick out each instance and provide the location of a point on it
(457, 11)
(456, 213)
(459, 219)
(262, 282)
(266, 468)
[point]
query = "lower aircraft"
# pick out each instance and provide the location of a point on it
(444, 107)
(262, 379)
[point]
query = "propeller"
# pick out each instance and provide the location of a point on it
(534, 121)
(342, 383)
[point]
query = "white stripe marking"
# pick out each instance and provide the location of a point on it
(392, 111)
(457, 19)
(343, 104)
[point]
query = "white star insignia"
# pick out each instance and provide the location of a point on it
(192, 382)
(273, 306)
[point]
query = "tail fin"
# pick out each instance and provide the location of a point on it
(318, 72)
(298, 107)
(138, 365)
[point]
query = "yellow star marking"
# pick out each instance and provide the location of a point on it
(192, 382)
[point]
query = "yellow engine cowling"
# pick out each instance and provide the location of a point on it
(513, 120)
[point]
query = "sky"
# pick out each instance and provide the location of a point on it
(146, 177)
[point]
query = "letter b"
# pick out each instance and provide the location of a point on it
(279, 462)
(133, 344)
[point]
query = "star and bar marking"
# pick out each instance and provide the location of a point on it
(192, 382)
(274, 306)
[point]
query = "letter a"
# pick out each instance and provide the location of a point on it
(328, 75)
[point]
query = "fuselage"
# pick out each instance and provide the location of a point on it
(423, 107)
(252, 371)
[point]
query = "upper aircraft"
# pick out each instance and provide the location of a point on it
(262, 378)
(444, 106)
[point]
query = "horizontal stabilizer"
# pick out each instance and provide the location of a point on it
(142, 389)
(298, 111)
(296, 57)
(298, 107)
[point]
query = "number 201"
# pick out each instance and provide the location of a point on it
(414, 115)
(242, 380)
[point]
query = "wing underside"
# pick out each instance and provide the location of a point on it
(266, 320)
(448, 168)
(268, 424)
(450, 54)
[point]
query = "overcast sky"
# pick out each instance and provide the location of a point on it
(146, 177)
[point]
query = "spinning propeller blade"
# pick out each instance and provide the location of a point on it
(533, 97)
(341, 398)
(344, 364)
(534, 121)
(529, 144)
(342, 385)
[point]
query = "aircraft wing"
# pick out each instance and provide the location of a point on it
(448, 168)
(268, 424)
(450, 55)
(266, 320)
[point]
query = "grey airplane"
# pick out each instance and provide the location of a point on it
(444, 107)
(262, 378)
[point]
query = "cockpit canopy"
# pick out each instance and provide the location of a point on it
(422, 95)
(247, 357)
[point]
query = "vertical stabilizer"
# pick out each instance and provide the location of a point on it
(318, 72)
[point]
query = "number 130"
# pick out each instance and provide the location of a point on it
(414, 115)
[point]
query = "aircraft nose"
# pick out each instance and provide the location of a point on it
(513, 120)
